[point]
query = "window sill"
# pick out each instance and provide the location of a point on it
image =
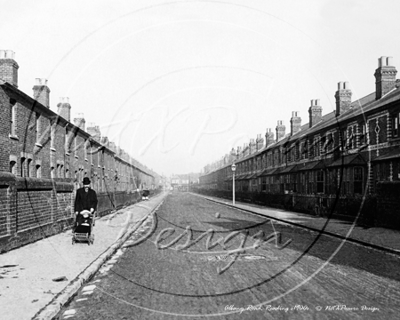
(52, 149)
(38, 145)
(13, 137)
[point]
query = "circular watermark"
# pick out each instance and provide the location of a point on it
(204, 128)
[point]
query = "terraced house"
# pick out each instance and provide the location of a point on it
(336, 162)
(44, 158)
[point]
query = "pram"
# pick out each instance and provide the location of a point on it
(83, 228)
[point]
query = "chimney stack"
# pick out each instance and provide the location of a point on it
(385, 77)
(269, 137)
(259, 142)
(233, 155)
(315, 112)
(113, 146)
(105, 141)
(41, 92)
(280, 130)
(79, 121)
(8, 67)
(245, 149)
(252, 146)
(94, 131)
(343, 98)
(295, 123)
(64, 109)
(239, 152)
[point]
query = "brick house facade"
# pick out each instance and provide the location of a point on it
(44, 158)
(336, 161)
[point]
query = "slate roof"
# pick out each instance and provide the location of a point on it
(347, 160)
(364, 105)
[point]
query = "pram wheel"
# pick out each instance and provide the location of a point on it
(91, 239)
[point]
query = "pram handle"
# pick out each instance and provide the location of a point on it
(86, 211)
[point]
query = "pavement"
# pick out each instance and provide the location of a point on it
(374, 237)
(36, 280)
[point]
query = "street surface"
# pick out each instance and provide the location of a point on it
(196, 259)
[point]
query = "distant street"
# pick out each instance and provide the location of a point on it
(204, 260)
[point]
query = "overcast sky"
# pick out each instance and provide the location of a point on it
(177, 84)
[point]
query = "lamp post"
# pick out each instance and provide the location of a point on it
(233, 182)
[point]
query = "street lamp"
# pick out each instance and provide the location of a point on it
(233, 182)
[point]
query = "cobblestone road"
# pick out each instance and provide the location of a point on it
(195, 259)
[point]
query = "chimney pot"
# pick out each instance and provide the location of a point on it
(40, 82)
(10, 54)
(64, 100)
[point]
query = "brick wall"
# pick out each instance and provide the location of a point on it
(4, 131)
(4, 214)
(32, 208)
(63, 201)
